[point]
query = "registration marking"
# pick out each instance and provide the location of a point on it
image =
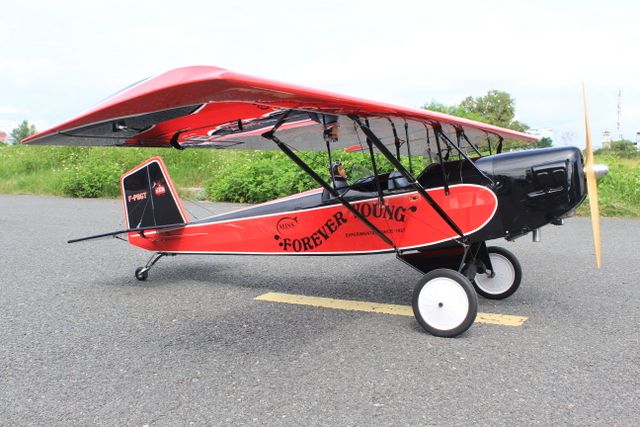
(374, 307)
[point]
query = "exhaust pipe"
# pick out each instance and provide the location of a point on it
(536, 236)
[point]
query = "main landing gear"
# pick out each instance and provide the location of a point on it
(502, 279)
(142, 273)
(445, 301)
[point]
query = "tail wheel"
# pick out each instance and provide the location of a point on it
(444, 303)
(142, 273)
(505, 278)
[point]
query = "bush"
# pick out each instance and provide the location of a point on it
(622, 149)
(92, 179)
(259, 176)
(256, 177)
(239, 176)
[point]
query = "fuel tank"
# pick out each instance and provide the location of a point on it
(535, 187)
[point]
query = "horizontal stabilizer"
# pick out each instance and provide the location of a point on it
(128, 230)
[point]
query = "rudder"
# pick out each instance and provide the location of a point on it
(149, 197)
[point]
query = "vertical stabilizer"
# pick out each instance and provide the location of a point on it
(150, 198)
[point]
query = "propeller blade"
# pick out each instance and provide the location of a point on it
(592, 187)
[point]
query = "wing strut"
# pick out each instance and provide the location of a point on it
(426, 128)
(461, 152)
(375, 168)
(460, 134)
(406, 134)
(396, 139)
(442, 169)
(499, 149)
(302, 165)
(400, 167)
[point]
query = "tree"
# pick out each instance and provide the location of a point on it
(623, 146)
(23, 130)
(496, 108)
(453, 110)
(544, 142)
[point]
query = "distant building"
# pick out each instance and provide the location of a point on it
(3, 136)
(606, 140)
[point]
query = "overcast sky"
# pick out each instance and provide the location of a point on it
(59, 58)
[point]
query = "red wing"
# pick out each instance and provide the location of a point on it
(210, 106)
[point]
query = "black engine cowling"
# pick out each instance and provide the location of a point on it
(536, 187)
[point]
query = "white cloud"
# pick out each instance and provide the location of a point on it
(7, 109)
(8, 125)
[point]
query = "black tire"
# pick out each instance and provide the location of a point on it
(142, 274)
(505, 264)
(444, 285)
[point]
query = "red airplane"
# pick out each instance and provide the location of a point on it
(435, 218)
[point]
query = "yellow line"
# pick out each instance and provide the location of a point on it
(374, 307)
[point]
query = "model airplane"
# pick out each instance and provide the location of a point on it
(435, 218)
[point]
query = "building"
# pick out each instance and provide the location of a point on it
(606, 140)
(3, 136)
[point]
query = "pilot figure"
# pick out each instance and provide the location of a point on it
(338, 176)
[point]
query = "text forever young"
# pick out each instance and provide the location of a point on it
(332, 224)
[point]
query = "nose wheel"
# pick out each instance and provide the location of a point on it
(444, 303)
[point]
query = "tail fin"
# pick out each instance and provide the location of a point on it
(149, 197)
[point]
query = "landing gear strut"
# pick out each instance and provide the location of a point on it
(445, 303)
(142, 273)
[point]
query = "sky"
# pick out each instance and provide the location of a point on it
(57, 59)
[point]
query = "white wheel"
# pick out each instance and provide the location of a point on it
(444, 303)
(505, 278)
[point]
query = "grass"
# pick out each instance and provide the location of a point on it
(94, 172)
(45, 170)
(619, 191)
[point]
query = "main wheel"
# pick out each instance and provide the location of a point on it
(142, 273)
(444, 303)
(505, 278)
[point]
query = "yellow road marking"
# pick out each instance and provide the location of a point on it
(374, 307)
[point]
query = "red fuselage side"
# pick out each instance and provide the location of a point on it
(405, 218)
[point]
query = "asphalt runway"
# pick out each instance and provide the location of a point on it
(84, 343)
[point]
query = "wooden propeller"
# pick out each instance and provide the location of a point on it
(592, 187)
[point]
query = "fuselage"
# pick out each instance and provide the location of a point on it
(525, 191)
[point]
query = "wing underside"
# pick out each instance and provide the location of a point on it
(213, 108)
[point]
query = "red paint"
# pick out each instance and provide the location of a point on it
(237, 96)
(406, 219)
(159, 189)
